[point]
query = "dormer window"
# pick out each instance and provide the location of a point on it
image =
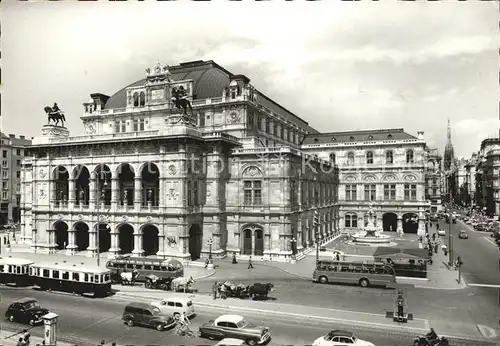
(389, 136)
(369, 157)
(136, 100)
(142, 99)
(233, 94)
(389, 157)
(351, 138)
(316, 140)
(334, 139)
(370, 137)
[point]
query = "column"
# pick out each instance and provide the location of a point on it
(115, 193)
(253, 242)
(71, 248)
(138, 250)
(137, 194)
(421, 224)
(114, 250)
(299, 235)
(92, 187)
(400, 225)
(52, 193)
(161, 243)
(92, 249)
(72, 195)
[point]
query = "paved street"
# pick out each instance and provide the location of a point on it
(87, 321)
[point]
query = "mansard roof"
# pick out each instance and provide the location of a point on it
(357, 136)
(209, 81)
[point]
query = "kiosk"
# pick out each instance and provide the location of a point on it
(50, 328)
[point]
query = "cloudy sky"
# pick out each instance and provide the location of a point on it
(338, 65)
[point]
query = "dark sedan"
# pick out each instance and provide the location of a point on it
(235, 326)
(26, 310)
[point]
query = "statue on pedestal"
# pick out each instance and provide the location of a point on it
(125, 197)
(81, 196)
(150, 195)
(55, 114)
(180, 100)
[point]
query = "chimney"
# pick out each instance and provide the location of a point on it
(12, 135)
(420, 135)
(22, 137)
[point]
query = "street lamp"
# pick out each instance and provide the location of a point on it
(34, 236)
(210, 243)
(98, 200)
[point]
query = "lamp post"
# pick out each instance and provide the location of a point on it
(450, 238)
(34, 236)
(98, 200)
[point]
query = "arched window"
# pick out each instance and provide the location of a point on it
(389, 157)
(369, 157)
(136, 99)
(409, 156)
(351, 220)
(332, 158)
(142, 99)
(350, 158)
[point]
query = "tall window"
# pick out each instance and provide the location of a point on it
(4, 154)
(332, 158)
(350, 192)
(389, 157)
(189, 193)
(195, 193)
(434, 192)
(4, 185)
(136, 99)
(142, 99)
(389, 192)
(4, 174)
(18, 152)
(4, 164)
(409, 156)
(120, 126)
(351, 220)
(350, 158)
(293, 193)
(434, 181)
(410, 192)
(369, 158)
(141, 124)
(4, 195)
(262, 123)
(136, 125)
(370, 192)
(268, 126)
(252, 192)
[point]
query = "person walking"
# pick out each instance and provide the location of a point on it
(250, 265)
(214, 290)
(234, 258)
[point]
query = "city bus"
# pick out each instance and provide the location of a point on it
(356, 273)
(145, 266)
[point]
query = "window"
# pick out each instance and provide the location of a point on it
(55, 274)
(136, 125)
(370, 192)
(141, 124)
(136, 99)
(4, 195)
(46, 273)
(65, 275)
(409, 156)
(369, 158)
(142, 99)
(275, 130)
(262, 123)
(351, 220)
(76, 276)
(434, 181)
(195, 193)
(389, 157)
(410, 192)
(123, 126)
(189, 193)
(4, 154)
(4, 185)
(350, 192)
(252, 192)
(18, 174)
(18, 152)
(350, 158)
(5, 174)
(434, 192)
(389, 192)
(4, 164)
(18, 163)
(332, 158)
(268, 127)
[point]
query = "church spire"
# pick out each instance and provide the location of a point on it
(449, 132)
(449, 155)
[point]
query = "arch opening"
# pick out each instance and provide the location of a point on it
(259, 242)
(247, 242)
(410, 223)
(126, 184)
(82, 184)
(195, 242)
(82, 236)
(61, 235)
(126, 238)
(103, 184)
(61, 179)
(390, 222)
(151, 244)
(104, 234)
(150, 177)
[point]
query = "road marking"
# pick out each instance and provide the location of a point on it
(490, 241)
(484, 285)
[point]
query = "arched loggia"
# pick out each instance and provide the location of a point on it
(81, 176)
(126, 175)
(61, 185)
(150, 179)
(61, 234)
(103, 175)
(150, 242)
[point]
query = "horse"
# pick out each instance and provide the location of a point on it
(180, 101)
(260, 290)
(128, 278)
(55, 116)
(182, 282)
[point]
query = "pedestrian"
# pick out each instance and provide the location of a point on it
(234, 258)
(206, 263)
(214, 289)
(20, 342)
(433, 236)
(26, 337)
(430, 224)
(436, 245)
(250, 265)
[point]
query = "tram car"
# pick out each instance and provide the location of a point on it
(72, 278)
(15, 271)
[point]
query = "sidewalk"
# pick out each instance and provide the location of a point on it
(10, 338)
(455, 330)
(22, 251)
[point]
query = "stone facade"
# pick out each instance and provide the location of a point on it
(148, 179)
(384, 168)
(434, 180)
(488, 177)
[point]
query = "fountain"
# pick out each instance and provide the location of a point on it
(370, 236)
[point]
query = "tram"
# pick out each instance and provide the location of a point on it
(145, 266)
(15, 271)
(56, 276)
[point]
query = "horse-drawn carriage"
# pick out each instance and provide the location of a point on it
(256, 291)
(183, 284)
(155, 282)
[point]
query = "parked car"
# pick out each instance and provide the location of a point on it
(235, 326)
(441, 232)
(175, 306)
(26, 310)
(340, 338)
(144, 314)
(463, 234)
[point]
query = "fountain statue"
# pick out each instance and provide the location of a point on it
(370, 235)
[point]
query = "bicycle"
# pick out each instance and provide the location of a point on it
(183, 329)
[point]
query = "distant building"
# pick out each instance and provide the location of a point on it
(434, 180)
(382, 168)
(12, 149)
(487, 177)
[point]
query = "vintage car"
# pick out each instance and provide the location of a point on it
(143, 314)
(463, 234)
(235, 326)
(26, 310)
(441, 232)
(340, 338)
(175, 306)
